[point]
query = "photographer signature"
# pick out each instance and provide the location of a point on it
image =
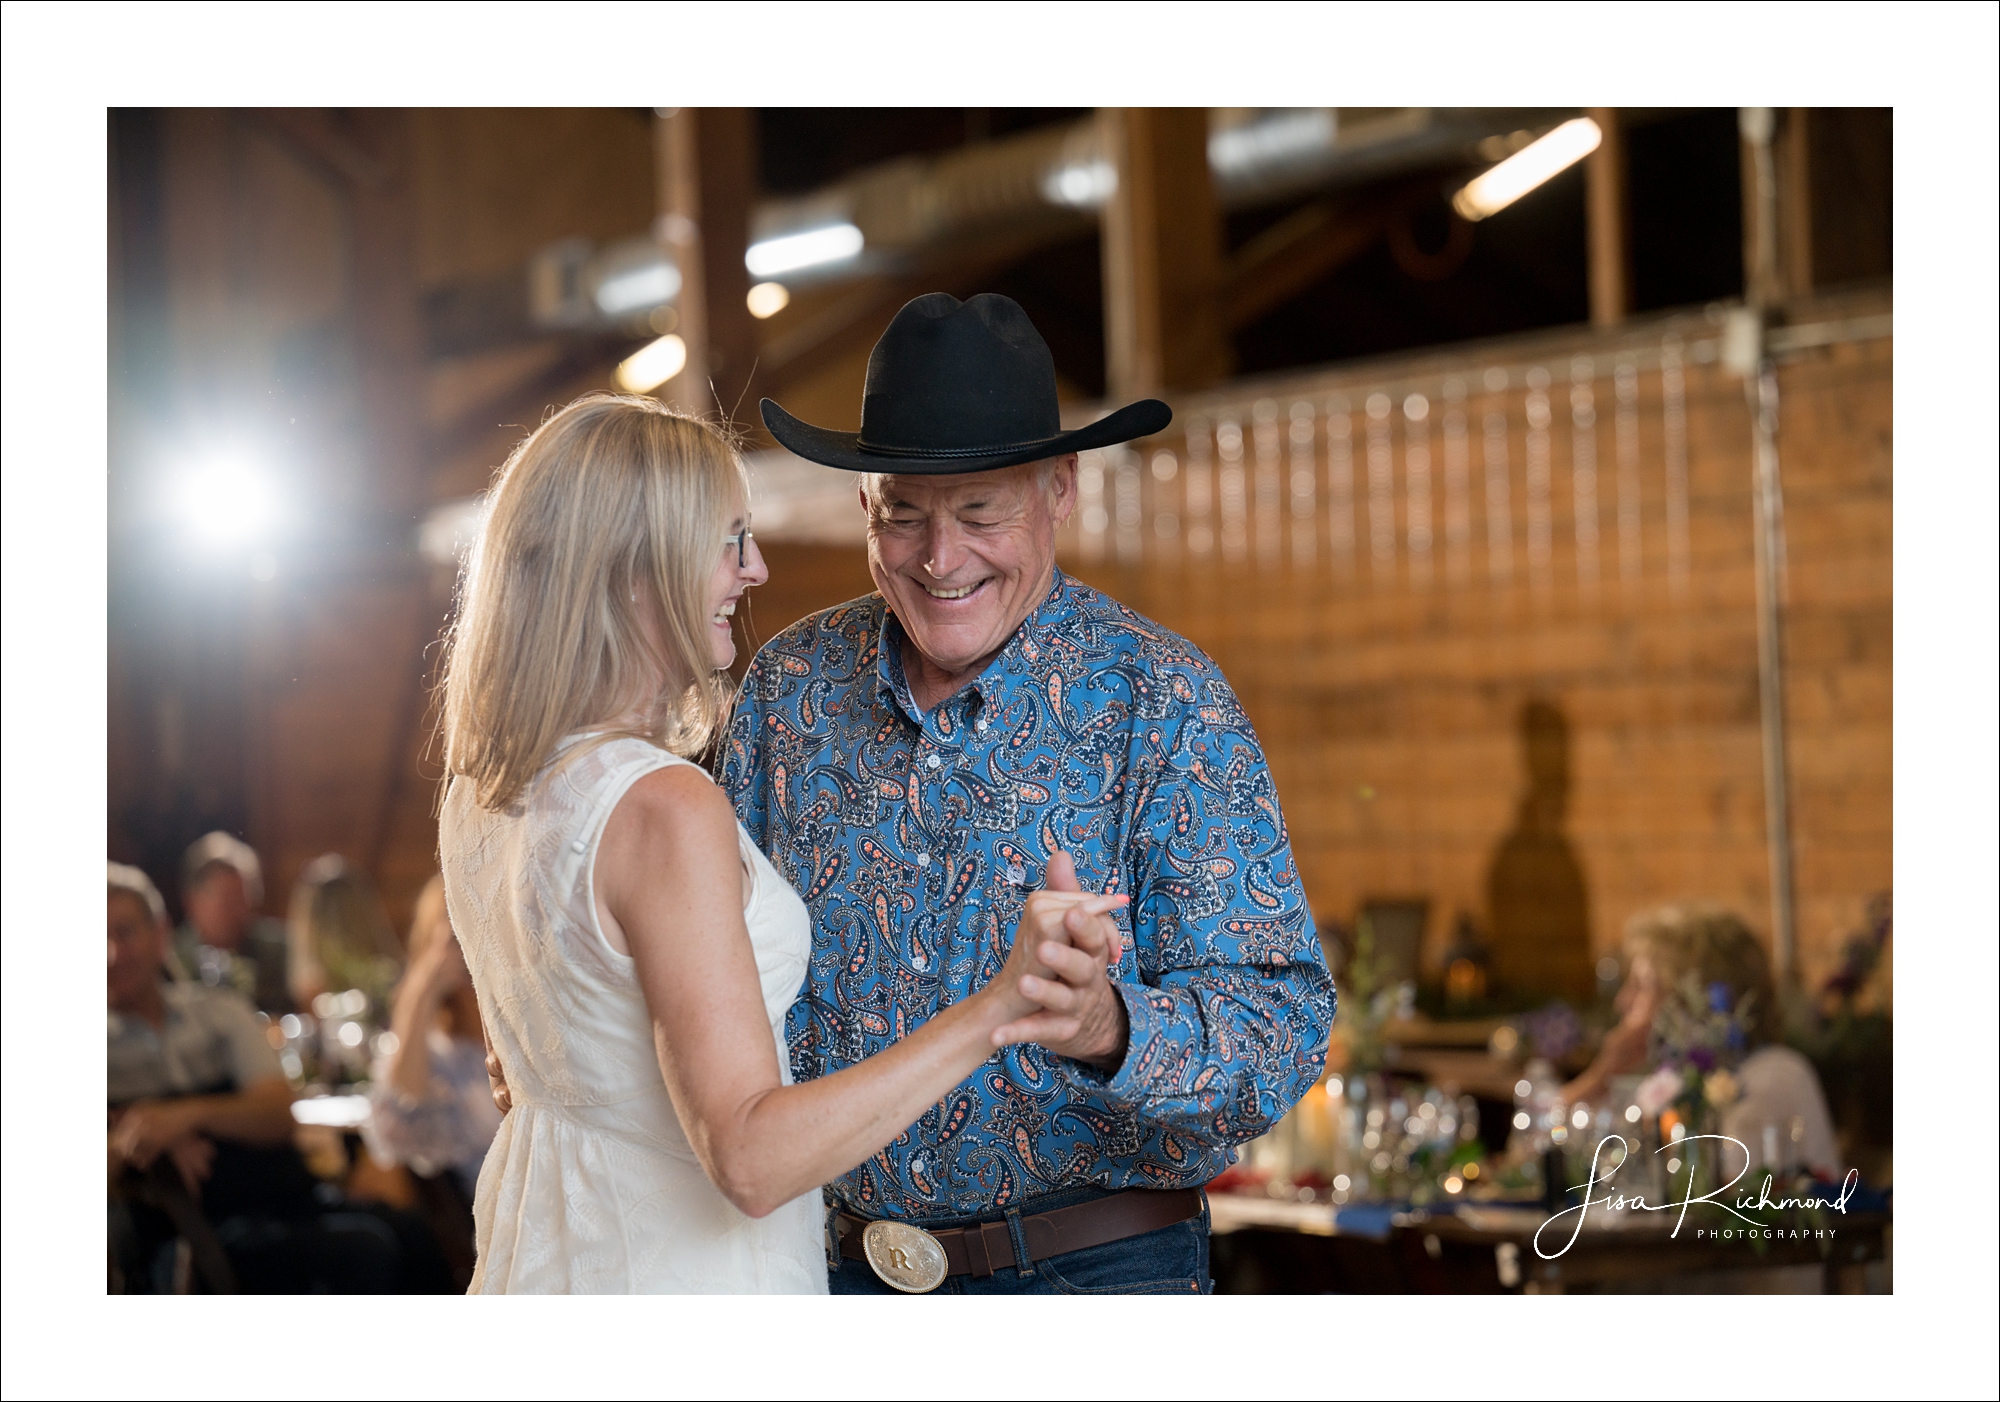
(1600, 1174)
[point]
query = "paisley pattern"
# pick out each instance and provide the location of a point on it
(914, 839)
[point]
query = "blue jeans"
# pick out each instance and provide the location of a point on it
(1170, 1261)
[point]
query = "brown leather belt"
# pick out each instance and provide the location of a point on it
(984, 1248)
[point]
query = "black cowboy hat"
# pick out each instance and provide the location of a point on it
(959, 387)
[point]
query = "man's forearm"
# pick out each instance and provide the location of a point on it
(260, 1115)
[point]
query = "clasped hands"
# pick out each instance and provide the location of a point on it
(1061, 995)
(1063, 949)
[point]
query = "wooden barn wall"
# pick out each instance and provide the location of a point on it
(1391, 684)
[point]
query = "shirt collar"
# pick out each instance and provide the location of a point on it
(1056, 607)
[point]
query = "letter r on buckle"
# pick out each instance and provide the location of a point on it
(905, 1257)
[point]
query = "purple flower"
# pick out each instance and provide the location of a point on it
(1703, 1058)
(1718, 997)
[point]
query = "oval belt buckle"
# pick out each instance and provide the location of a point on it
(907, 1258)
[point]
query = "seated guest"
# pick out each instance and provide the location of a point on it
(195, 1097)
(1779, 1113)
(340, 935)
(433, 1105)
(224, 942)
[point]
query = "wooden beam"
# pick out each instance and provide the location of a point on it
(1162, 241)
(802, 343)
(1777, 205)
(388, 311)
(1296, 252)
(1794, 171)
(707, 184)
(1608, 204)
(311, 134)
(525, 401)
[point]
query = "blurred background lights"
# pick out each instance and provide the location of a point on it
(767, 299)
(787, 253)
(1081, 185)
(224, 500)
(638, 289)
(1528, 168)
(449, 530)
(652, 365)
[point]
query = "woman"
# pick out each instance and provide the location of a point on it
(1779, 1114)
(634, 953)
(432, 1109)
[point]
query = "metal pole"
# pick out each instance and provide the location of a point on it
(1747, 349)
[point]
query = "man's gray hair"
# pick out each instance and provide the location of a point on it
(223, 849)
(134, 882)
(1045, 473)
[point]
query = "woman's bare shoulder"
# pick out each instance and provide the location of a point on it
(678, 803)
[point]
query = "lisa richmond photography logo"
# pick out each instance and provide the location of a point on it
(1746, 1213)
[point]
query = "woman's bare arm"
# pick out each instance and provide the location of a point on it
(666, 890)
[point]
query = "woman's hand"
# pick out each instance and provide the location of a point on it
(1624, 1046)
(496, 1081)
(437, 973)
(433, 977)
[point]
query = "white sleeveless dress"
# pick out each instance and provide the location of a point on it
(590, 1186)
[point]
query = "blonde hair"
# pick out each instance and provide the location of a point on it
(339, 935)
(607, 517)
(1714, 945)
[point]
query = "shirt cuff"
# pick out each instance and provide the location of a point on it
(1128, 1081)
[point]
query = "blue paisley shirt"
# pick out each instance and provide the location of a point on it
(915, 837)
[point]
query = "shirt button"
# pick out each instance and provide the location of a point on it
(923, 859)
(933, 761)
(980, 725)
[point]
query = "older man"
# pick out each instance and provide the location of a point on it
(917, 761)
(224, 942)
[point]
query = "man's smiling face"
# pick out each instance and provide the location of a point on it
(963, 560)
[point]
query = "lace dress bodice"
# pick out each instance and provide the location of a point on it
(590, 1185)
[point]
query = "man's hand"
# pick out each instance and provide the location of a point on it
(194, 1156)
(149, 1128)
(1082, 1016)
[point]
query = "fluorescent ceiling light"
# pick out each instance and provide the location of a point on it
(638, 289)
(651, 366)
(768, 299)
(1279, 137)
(789, 252)
(1081, 184)
(1527, 168)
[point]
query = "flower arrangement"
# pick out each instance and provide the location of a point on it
(1366, 1004)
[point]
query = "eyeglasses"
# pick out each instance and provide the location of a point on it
(741, 540)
